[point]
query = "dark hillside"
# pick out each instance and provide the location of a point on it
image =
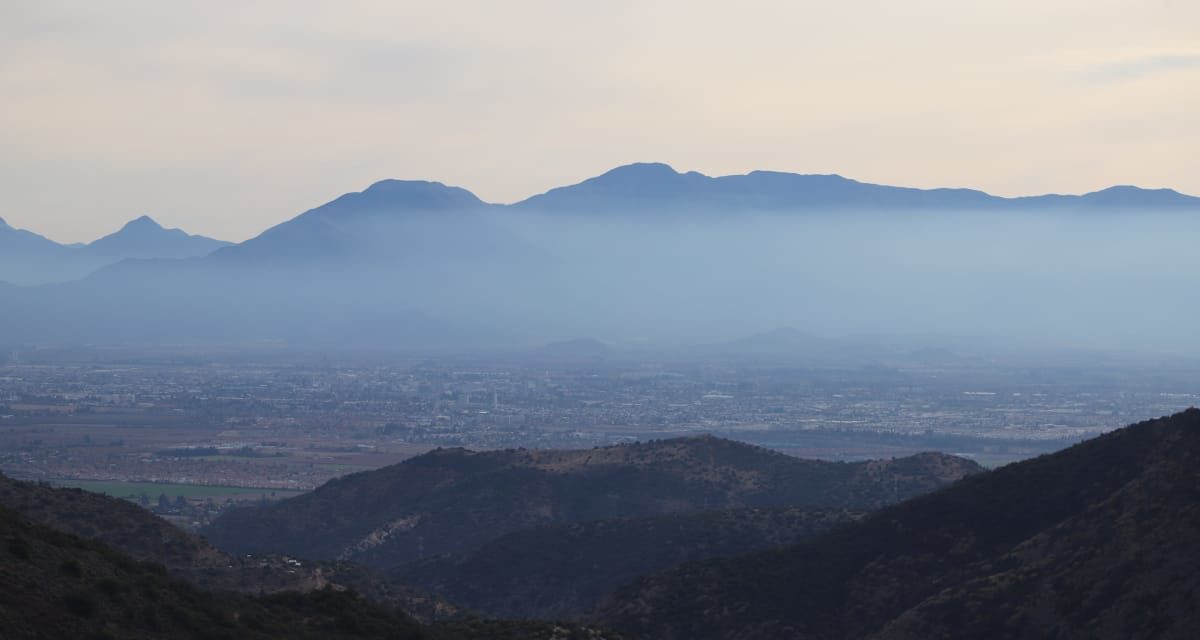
(562, 570)
(117, 523)
(57, 585)
(144, 536)
(1101, 540)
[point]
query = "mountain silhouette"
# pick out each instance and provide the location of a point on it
(656, 187)
(30, 259)
(387, 219)
(145, 238)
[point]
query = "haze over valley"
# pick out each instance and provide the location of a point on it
(645, 255)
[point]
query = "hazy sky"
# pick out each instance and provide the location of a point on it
(227, 117)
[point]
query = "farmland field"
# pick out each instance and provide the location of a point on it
(154, 489)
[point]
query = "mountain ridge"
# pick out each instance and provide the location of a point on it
(765, 190)
(650, 178)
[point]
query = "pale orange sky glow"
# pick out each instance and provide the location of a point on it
(226, 118)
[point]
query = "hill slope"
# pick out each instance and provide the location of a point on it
(1101, 540)
(28, 258)
(144, 536)
(562, 570)
(117, 523)
(60, 586)
(453, 500)
(57, 585)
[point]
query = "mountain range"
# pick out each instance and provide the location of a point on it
(27, 258)
(640, 251)
(348, 226)
(651, 186)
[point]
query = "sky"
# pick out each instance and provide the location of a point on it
(225, 118)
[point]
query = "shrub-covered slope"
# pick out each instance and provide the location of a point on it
(562, 570)
(56, 585)
(1101, 540)
(142, 535)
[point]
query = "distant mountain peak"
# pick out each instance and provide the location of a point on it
(642, 177)
(578, 346)
(3, 224)
(1130, 196)
(636, 184)
(142, 222)
(1131, 188)
(405, 194)
(830, 177)
(145, 238)
(642, 170)
(396, 184)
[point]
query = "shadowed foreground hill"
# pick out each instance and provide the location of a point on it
(144, 536)
(453, 500)
(1101, 540)
(117, 523)
(57, 585)
(562, 570)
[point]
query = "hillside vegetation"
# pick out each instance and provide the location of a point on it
(562, 570)
(60, 585)
(57, 585)
(1101, 540)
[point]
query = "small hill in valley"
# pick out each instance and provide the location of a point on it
(453, 500)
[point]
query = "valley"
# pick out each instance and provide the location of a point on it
(142, 423)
